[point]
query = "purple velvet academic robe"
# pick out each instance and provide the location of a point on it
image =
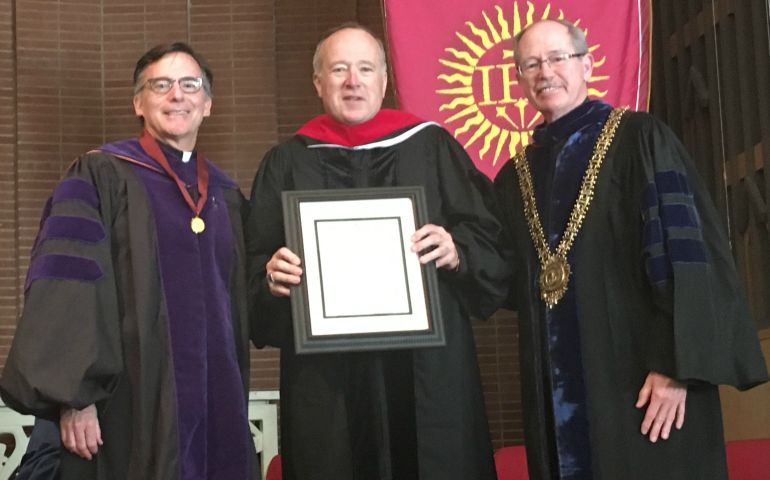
(129, 309)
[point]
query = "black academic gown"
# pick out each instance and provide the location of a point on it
(96, 322)
(404, 414)
(643, 303)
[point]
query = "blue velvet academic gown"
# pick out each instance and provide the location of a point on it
(653, 288)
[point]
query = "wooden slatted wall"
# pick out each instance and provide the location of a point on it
(711, 84)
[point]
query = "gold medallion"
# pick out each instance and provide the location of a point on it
(554, 279)
(197, 224)
(554, 269)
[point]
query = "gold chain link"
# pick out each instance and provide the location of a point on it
(579, 210)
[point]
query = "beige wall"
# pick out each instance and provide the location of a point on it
(747, 414)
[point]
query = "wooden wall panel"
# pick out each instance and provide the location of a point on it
(9, 262)
(711, 84)
(711, 80)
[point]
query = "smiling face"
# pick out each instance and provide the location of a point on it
(351, 77)
(173, 117)
(553, 90)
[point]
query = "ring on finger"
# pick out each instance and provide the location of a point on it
(270, 278)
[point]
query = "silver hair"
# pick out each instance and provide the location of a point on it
(577, 36)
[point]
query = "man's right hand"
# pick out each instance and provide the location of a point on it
(80, 432)
(282, 270)
(666, 400)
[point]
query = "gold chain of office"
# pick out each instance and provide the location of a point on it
(554, 268)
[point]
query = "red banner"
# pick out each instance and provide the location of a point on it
(453, 63)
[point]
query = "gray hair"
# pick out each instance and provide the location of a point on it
(577, 36)
(159, 51)
(347, 25)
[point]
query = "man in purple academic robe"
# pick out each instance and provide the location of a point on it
(134, 334)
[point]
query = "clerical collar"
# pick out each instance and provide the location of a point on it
(152, 148)
(587, 112)
(326, 129)
(175, 154)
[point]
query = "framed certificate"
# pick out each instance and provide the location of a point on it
(362, 286)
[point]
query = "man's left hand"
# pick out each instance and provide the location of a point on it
(665, 400)
(438, 245)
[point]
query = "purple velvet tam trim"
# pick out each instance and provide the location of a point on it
(76, 189)
(72, 228)
(63, 267)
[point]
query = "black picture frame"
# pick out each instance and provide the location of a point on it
(362, 287)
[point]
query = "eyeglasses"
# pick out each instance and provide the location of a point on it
(531, 66)
(163, 85)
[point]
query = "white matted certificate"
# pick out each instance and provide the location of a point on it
(363, 288)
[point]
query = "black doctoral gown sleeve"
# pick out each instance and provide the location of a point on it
(469, 201)
(702, 315)
(270, 317)
(505, 187)
(67, 351)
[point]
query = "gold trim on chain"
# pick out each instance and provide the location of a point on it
(554, 268)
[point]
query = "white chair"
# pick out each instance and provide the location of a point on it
(12, 428)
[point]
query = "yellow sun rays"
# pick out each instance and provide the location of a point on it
(509, 123)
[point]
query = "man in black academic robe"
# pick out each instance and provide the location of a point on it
(403, 414)
(134, 333)
(620, 368)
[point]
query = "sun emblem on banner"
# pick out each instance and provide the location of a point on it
(483, 105)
